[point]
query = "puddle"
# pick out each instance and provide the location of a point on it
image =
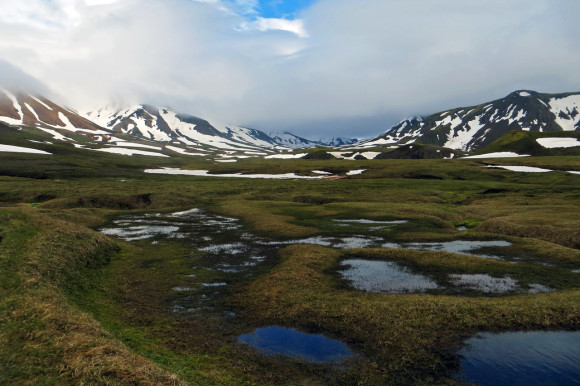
(216, 244)
(183, 288)
(371, 222)
(141, 232)
(539, 288)
(349, 242)
(384, 277)
(495, 285)
(485, 283)
(465, 247)
(461, 228)
(289, 342)
(521, 358)
(219, 244)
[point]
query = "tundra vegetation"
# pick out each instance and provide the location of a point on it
(81, 307)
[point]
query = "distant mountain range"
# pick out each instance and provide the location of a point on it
(144, 122)
(464, 129)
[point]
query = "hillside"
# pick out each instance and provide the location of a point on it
(474, 127)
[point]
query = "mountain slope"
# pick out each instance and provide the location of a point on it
(21, 108)
(166, 125)
(295, 142)
(471, 128)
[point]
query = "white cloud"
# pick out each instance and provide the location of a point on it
(102, 2)
(267, 24)
(342, 61)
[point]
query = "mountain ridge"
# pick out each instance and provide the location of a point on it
(473, 127)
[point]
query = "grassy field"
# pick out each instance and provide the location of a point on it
(78, 307)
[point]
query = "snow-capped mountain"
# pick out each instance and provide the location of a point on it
(471, 128)
(22, 108)
(166, 125)
(338, 141)
(296, 142)
(293, 141)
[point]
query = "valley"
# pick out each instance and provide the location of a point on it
(158, 304)
(153, 247)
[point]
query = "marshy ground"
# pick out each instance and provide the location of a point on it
(133, 278)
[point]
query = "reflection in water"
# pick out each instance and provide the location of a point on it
(465, 247)
(384, 276)
(496, 285)
(298, 345)
(522, 358)
(485, 283)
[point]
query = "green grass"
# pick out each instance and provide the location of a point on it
(80, 307)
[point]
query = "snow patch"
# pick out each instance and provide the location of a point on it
(133, 144)
(126, 151)
(205, 173)
(19, 149)
(286, 156)
(356, 172)
(461, 138)
(32, 111)
(552, 143)
(523, 169)
(504, 154)
(55, 134)
(565, 107)
(41, 102)
(12, 121)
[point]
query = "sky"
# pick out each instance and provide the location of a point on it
(317, 68)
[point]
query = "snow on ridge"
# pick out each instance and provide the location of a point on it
(17, 107)
(461, 138)
(41, 102)
(566, 105)
(67, 123)
(521, 114)
(555, 142)
(524, 94)
(32, 111)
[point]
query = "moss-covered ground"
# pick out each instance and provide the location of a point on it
(78, 307)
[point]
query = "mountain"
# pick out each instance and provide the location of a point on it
(339, 141)
(137, 125)
(295, 142)
(471, 128)
(22, 108)
(165, 125)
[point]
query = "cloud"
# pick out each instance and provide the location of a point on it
(343, 65)
(267, 24)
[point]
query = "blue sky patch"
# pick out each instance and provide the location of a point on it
(287, 9)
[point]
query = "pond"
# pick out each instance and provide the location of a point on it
(384, 276)
(289, 342)
(522, 358)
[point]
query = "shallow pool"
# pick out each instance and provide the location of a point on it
(522, 358)
(289, 342)
(385, 277)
